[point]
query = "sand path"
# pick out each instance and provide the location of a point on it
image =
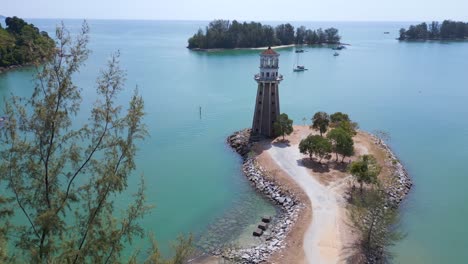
(322, 243)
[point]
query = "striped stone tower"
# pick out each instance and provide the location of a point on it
(267, 105)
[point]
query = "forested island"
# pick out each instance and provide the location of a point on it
(447, 30)
(224, 34)
(22, 43)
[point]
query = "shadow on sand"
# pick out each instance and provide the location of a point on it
(324, 166)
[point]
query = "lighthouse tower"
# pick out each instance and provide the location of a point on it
(267, 105)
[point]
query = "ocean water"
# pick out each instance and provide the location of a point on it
(416, 91)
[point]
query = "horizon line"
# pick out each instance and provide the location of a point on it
(208, 20)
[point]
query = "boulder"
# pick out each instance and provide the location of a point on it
(263, 226)
(258, 232)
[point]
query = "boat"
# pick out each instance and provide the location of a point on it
(386, 32)
(299, 51)
(299, 68)
(336, 54)
(340, 47)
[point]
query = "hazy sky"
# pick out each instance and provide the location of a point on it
(292, 10)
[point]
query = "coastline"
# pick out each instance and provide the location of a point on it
(264, 48)
(289, 200)
(14, 67)
(298, 236)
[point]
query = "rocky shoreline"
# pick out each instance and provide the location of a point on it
(290, 206)
(402, 184)
(13, 67)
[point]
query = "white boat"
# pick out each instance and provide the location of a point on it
(297, 67)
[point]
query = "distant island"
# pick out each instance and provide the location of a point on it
(447, 30)
(223, 34)
(23, 44)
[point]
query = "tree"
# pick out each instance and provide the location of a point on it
(283, 126)
(338, 117)
(63, 179)
(285, 34)
(22, 43)
(304, 119)
(315, 145)
(342, 143)
(300, 35)
(365, 170)
(332, 35)
(320, 122)
(375, 223)
(349, 127)
(402, 34)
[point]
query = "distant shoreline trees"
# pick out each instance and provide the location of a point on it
(224, 34)
(447, 30)
(22, 43)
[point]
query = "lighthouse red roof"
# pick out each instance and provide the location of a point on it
(269, 51)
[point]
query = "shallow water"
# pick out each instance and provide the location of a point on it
(416, 91)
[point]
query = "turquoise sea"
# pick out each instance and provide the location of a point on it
(417, 91)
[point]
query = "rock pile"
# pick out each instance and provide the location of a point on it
(273, 238)
(401, 185)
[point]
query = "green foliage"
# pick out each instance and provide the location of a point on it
(182, 251)
(315, 145)
(447, 30)
(375, 224)
(349, 127)
(365, 170)
(62, 179)
(22, 43)
(320, 122)
(283, 126)
(342, 143)
(338, 117)
(226, 34)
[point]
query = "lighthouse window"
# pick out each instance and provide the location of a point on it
(268, 74)
(259, 102)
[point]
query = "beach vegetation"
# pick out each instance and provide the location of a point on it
(283, 126)
(365, 170)
(320, 122)
(315, 145)
(375, 223)
(61, 177)
(22, 43)
(225, 34)
(447, 30)
(342, 143)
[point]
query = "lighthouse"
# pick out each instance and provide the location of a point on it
(267, 105)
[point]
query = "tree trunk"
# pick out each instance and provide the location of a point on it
(336, 156)
(342, 160)
(360, 187)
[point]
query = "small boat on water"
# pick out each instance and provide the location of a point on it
(340, 47)
(336, 54)
(299, 51)
(299, 68)
(386, 32)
